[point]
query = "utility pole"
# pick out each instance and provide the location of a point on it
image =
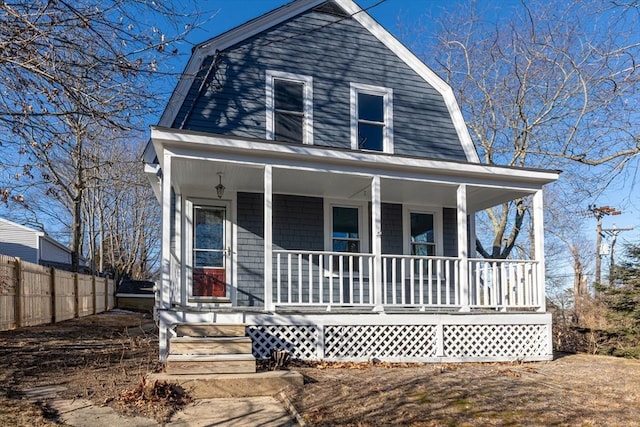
(613, 233)
(599, 213)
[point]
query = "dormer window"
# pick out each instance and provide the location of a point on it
(289, 107)
(371, 118)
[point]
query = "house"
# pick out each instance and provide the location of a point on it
(319, 186)
(32, 245)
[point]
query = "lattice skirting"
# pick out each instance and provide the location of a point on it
(436, 342)
(481, 341)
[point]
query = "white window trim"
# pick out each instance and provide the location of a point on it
(307, 81)
(387, 94)
(363, 222)
(407, 210)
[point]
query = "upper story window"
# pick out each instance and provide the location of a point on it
(289, 107)
(371, 118)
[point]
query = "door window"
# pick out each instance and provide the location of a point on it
(209, 275)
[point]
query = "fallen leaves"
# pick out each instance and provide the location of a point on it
(159, 399)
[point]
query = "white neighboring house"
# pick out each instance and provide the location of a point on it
(32, 245)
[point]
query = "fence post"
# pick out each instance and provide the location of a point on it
(17, 300)
(52, 272)
(77, 299)
(95, 297)
(105, 285)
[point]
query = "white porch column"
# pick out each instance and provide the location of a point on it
(376, 242)
(179, 225)
(268, 238)
(463, 247)
(166, 285)
(164, 293)
(538, 233)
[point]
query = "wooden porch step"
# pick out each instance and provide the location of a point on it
(193, 364)
(209, 386)
(211, 330)
(210, 345)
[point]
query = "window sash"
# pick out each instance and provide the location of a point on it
(344, 230)
(289, 107)
(371, 118)
(288, 126)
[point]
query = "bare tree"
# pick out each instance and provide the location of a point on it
(74, 76)
(551, 84)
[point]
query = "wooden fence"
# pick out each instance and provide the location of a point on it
(31, 294)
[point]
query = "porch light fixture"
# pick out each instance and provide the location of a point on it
(220, 188)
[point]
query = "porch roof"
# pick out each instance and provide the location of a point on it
(337, 173)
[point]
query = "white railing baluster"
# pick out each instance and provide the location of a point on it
(412, 280)
(310, 278)
(320, 279)
(278, 280)
(299, 278)
(439, 281)
(421, 272)
(430, 279)
(350, 279)
(456, 282)
(330, 279)
(371, 278)
(289, 284)
(393, 279)
(403, 278)
(361, 278)
(447, 282)
(341, 278)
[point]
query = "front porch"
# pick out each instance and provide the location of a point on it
(343, 255)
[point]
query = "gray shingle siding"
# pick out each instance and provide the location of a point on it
(298, 223)
(335, 53)
(450, 231)
(392, 239)
(250, 249)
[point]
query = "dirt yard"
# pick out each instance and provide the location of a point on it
(100, 357)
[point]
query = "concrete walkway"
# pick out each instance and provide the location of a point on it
(237, 411)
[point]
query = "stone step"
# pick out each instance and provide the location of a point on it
(211, 386)
(210, 345)
(211, 330)
(194, 364)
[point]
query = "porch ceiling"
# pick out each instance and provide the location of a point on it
(198, 178)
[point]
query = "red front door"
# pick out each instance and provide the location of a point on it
(209, 252)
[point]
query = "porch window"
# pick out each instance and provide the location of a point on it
(346, 229)
(289, 107)
(371, 118)
(423, 241)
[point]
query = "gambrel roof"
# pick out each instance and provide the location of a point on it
(345, 8)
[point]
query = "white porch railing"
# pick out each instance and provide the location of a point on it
(420, 281)
(317, 278)
(322, 278)
(505, 283)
